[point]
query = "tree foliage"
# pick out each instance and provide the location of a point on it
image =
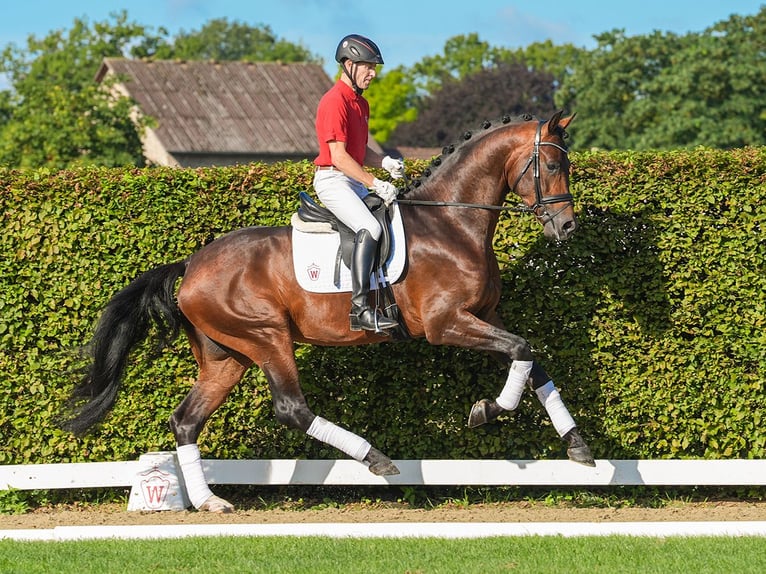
(506, 89)
(393, 100)
(419, 113)
(56, 115)
(398, 96)
(222, 40)
(663, 91)
(556, 59)
(59, 128)
(464, 55)
(655, 91)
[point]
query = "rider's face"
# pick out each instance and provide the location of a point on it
(364, 73)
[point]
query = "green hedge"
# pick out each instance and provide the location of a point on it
(651, 319)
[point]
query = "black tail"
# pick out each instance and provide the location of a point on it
(123, 324)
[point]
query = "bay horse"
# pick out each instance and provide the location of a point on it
(239, 302)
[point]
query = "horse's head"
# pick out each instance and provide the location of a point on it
(542, 178)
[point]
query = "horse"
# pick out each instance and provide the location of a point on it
(239, 304)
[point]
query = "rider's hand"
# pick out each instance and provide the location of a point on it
(393, 166)
(385, 189)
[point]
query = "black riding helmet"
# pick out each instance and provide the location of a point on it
(357, 49)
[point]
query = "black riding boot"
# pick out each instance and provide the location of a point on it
(362, 259)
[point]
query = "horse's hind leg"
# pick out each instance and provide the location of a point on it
(219, 372)
(291, 409)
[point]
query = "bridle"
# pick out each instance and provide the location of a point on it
(540, 201)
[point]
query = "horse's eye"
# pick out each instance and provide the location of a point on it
(553, 165)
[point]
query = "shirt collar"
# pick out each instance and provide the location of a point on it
(347, 91)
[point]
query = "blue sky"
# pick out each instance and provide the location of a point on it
(406, 31)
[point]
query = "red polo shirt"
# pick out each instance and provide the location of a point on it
(342, 115)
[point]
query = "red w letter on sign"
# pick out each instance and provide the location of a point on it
(155, 489)
(313, 271)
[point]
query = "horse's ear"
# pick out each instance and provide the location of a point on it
(557, 121)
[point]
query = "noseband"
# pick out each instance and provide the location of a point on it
(540, 201)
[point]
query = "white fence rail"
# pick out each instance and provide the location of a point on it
(674, 472)
(157, 484)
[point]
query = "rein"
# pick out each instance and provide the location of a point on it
(540, 201)
(522, 208)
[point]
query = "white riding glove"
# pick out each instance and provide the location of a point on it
(386, 190)
(393, 166)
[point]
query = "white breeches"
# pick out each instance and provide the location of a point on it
(343, 196)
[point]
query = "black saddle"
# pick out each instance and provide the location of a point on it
(311, 212)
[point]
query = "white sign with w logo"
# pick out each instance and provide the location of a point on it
(158, 487)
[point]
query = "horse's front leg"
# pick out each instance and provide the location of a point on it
(491, 336)
(486, 410)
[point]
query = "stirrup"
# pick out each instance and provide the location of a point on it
(367, 319)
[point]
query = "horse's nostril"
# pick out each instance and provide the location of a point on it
(569, 227)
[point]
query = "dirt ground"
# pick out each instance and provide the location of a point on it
(116, 514)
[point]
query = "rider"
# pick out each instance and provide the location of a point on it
(340, 179)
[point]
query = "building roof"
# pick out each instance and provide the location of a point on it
(226, 108)
(411, 152)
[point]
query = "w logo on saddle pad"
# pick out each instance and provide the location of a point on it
(316, 253)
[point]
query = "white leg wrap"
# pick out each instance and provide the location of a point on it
(346, 441)
(551, 399)
(191, 467)
(517, 377)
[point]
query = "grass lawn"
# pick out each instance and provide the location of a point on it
(273, 555)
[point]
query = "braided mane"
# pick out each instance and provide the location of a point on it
(468, 138)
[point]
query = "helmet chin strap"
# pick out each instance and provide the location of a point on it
(350, 76)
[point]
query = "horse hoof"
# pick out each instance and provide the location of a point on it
(379, 464)
(478, 415)
(217, 505)
(384, 468)
(582, 455)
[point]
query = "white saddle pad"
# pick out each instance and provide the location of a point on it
(314, 256)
